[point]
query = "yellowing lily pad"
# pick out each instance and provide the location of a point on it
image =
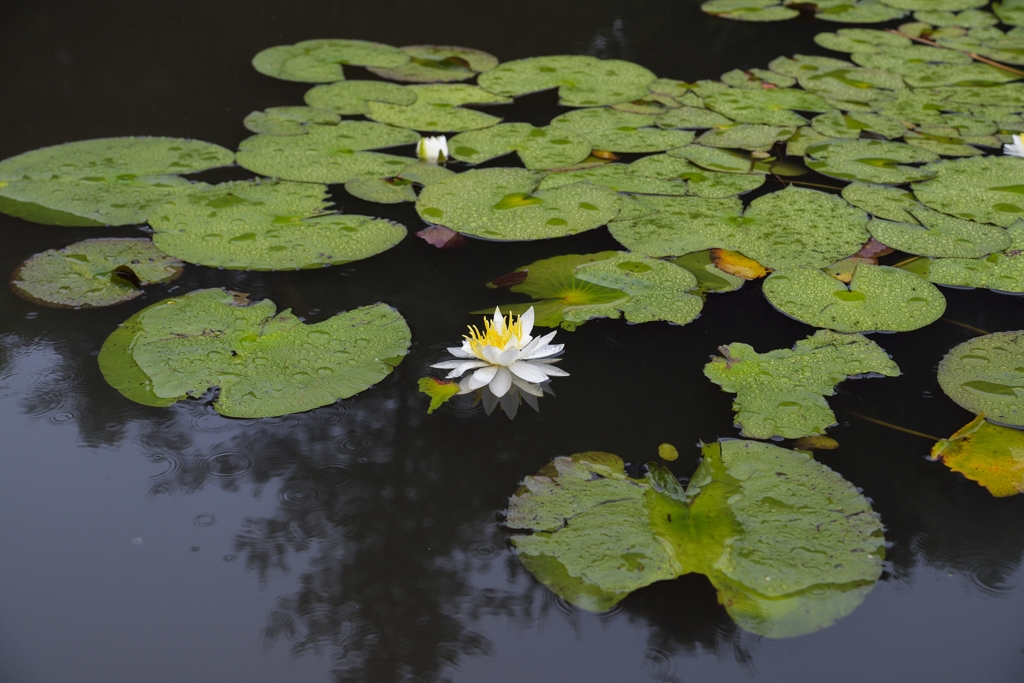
(738, 265)
(710, 278)
(269, 225)
(989, 454)
(352, 97)
(781, 393)
(878, 298)
(985, 375)
(265, 363)
(320, 61)
(93, 273)
(582, 81)
(870, 161)
(438, 390)
(539, 148)
(505, 204)
(984, 189)
(438, 64)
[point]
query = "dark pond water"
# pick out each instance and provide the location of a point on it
(362, 541)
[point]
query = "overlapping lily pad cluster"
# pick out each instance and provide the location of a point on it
(957, 13)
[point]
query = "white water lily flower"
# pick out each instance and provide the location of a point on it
(504, 355)
(433, 150)
(1016, 149)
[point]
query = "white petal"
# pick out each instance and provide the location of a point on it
(527, 371)
(448, 364)
(461, 351)
(508, 356)
(540, 347)
(527, 320)
(548, 369)
(502, 381)
(529, 388)
(478, 379)
(491, 354)
(462, 368)
(499, 322)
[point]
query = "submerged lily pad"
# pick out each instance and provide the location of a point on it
(582, 81)
(505, 204)
(328, 154)
(599, 535)
(539, 148)
(289, 120)
(870, 161)
(265, 363)
(984, 189)
(985, 375)
(620, 131)
(438, 64)
(781, 393)
(940, 235)
(438, 390)
(878, 298)
(353, 97)
(320, 61)
(269, 225)
(989, 454)
(93, 273)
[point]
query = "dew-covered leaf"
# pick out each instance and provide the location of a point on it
(353, 97)
(878, 298)
(680, 225)
(1010, 12)
(985, 375)
(837, 124)
(93, 273)
(862, 12)
(268, 225)
(582, 81)
(871, 161)
(1003, 272)
(431, 117)
(757, 79)
(438, 64)
(984, 189)
(398, 188)
(932, 75)
(319, 61)
(971, 18)
(781, 393)
(715, 159)
(700, 182)
(619, 131)
(855, 84)
(749, 10)
(861, 40)
(803, 65)
(771, 107)
(748, 136)
(539, 148)
(619, 178)
(265, 363)
(910, 59)
(505, 204)
(936, 5)
(289, 120)
(709, 277)
(805, 136)
(989, 454)
(691, 117)
(938, 235)
(881, 201)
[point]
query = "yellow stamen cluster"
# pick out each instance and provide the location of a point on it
(491, 336)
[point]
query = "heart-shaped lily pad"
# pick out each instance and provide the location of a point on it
(879, 298)
(289, 120)
(265, 363)
(773, 107)
(870, 161)
(599, 535)
(353, 97)
(319, 61)
(93, 273)
(582, 81)
(985, 375)
(328, 154)
(855, 84)
(539, 148)
(989, 454)
(269, 225)
(437, 109)
(619, 131)
(940, 235)
(438, 64)
(781, 393)
(505, 204)
(984, 189)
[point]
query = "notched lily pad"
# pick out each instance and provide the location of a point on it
(700, 182)
(989, 454)
(748, 136)
(289, 120)
(619, 178)
(265, 363)
(320, 61)
(890, 203)
(539, 148)
(870, 161)
(582, 81)
(985, 375)
(438, 64)
(398, 188)
(773, 107)
(781, 393)
(437, 109)
(352, 98)
(620, 131)
(710, 278)
(93, 273)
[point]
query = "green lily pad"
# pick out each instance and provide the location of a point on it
(619, 131)
(1006, 94)
(265, 363)
(505, 204)
(983, 189)
(710, 278)
(745, 136)
(1010, 12)
(618, 177)
(539, 148)
(289, 120)
(582, 81)
(942, 140)
(749, 10)
(353, 97)
(804, 137)
(1003, 272)
(863, 12)
(781, 393)
(939, 235)
(681, 225)
(651, 105)
(599, 535)
(757, 79)
(438, 64)
(836, 124)
(878, 298)
(319, 61)
(713, 159)
(803, 65)
(990, 42)
(881, 201)
(269, 225)
(700, 182)
(989, 454)
(399, 188)
(771, 107)
(985, 375)
(328, 154)
(936, 5)
(870, 161)
(860, 40)
(855, 84)
(910, 59)
(437, 109)
(931, 75)
(93, 273)
(971, 18)
(691, 117)
(108, 181)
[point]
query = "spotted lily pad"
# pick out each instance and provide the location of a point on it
(1003, 272)
(539, 148)
(269, 225)
(940, 235)
(985, 375)
(598, 534)
(93, 273)
(289, 120)
(265, 363)
(878, 298)
(353, 97)
(971, 18)
(805, 137)
(437, 109)
(855, 84)
(582, 81)
(772, 107)
(1010, 12)
(505, 204)
(328, 154)
(870, 161)
(910, 59)
(984, 189)
(781, 393)
(108, 181)
(320, 61)
(989, 454)
(438, 64)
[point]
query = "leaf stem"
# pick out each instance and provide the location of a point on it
(972, 328)
(897, 428)
(972, 55)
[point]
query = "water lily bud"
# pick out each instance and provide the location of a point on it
(433, 150)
